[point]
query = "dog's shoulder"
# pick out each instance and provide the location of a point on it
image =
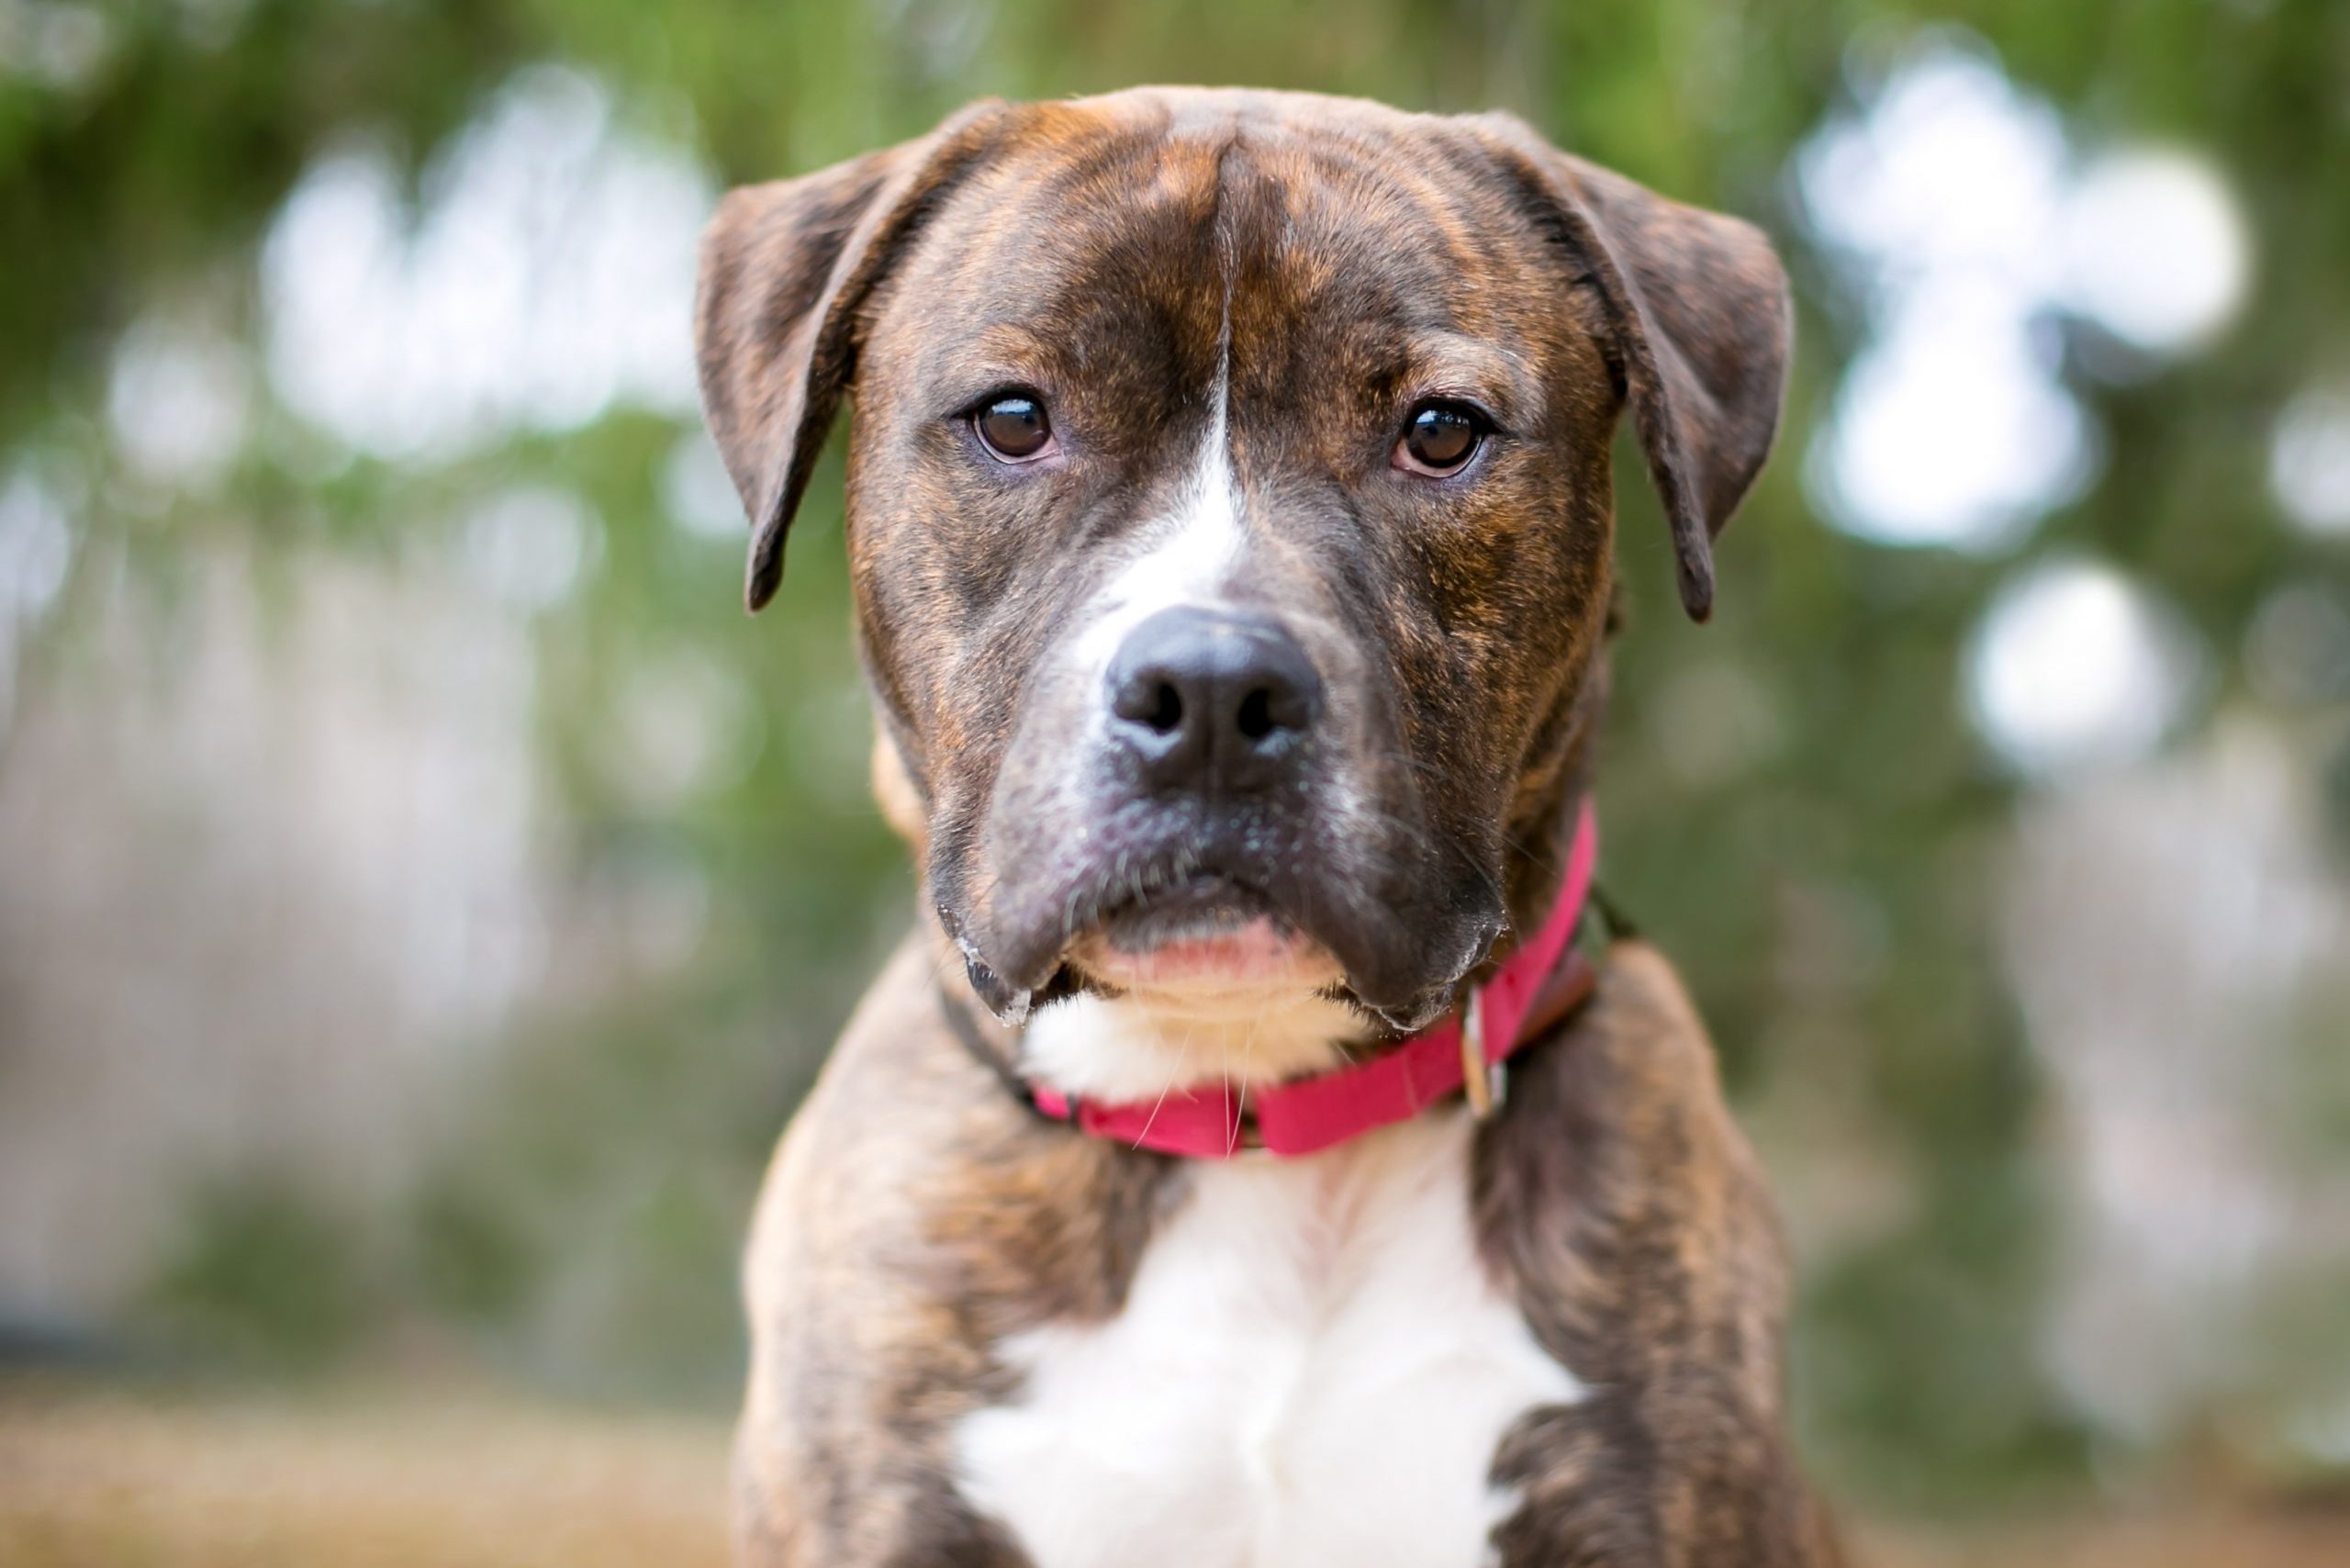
(914, 1216)
(1626, 1209)
(1620, 1121)
(909, 1160)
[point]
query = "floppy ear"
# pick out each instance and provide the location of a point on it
(786, 270)
(1702, 323)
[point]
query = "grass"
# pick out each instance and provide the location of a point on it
(117, 1480)
(425, 1478)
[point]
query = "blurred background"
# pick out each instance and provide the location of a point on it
(424, 894)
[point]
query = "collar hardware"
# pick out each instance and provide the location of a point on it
(1484, 1083)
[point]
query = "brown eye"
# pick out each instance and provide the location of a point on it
(1014, 427)
(1440, 439)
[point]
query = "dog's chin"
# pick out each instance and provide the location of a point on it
(1208, 941)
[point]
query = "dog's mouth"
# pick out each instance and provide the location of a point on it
(1184, 927)
(1213, 921)
(1208, 936)
(1198, 904)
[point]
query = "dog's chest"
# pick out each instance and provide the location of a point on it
(1313, 1367)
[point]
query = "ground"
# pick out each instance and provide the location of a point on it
(116, 1478)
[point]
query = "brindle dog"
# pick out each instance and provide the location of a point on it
(1230, 524)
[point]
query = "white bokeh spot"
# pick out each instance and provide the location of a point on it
(2309, 461)
(2154, 250)
(1951, 428)
(35, 544)
(546, 275)
(60, 46)
(529, 547)
(2076, 666)
(1948, 166)
(179, 403)
(1951, 202)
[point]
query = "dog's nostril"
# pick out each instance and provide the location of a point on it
(1150, 700)
(1256, 716)
(1165, 713)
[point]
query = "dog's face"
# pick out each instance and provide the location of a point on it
(1230, 509)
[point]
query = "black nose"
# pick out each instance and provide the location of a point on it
(1211, 699)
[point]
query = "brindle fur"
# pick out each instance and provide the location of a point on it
(1625, 1203)
(916, 1215)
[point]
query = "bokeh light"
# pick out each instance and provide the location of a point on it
(544, 276)
(2309, 459)
(2155, 248)
(2076, 666)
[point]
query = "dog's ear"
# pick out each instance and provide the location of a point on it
(1702, 322)
(786, 270)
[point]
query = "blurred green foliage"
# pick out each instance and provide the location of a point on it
(582, 1226)
(264, 1275)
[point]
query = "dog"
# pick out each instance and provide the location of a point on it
(1255, 1157)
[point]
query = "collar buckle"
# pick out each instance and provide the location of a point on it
(1485, 1083)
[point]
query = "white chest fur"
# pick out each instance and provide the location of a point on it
(1313, 1367)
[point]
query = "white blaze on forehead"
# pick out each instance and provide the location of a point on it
(1194, 552)
(1188, 556)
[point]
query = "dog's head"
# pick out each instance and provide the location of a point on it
(1229, 511)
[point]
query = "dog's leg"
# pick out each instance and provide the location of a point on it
(1627, 1207)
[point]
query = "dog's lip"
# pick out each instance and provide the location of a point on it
(1207, 930)
(1198, 891)
(1253, 956)
(1197, 904)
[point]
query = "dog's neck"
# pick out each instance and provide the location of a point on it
(1560, 767)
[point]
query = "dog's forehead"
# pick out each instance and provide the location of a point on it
(1200, 214)
(1185, 121)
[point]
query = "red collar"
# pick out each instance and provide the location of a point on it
(1309, 1114)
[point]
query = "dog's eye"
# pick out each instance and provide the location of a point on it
(1440, 438)
(1014, 427)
